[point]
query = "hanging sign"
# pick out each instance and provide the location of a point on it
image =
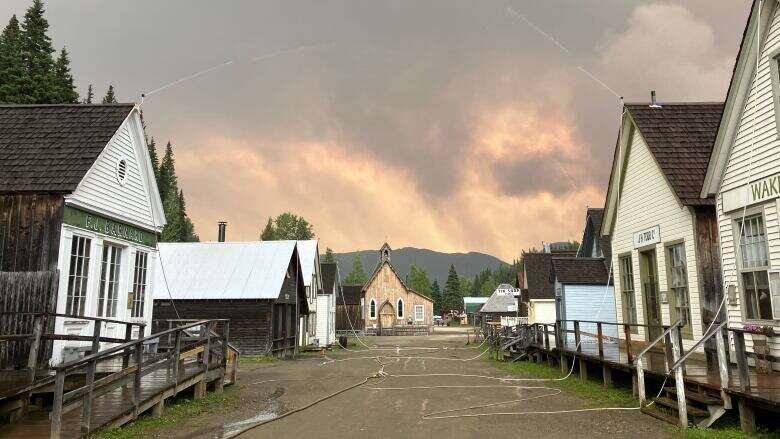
(647, 237)
(97, 223)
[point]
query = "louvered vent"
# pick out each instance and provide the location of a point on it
(121, 171)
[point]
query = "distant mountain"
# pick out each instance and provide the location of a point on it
(436, 264)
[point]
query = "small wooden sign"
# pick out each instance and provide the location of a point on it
(647, 237)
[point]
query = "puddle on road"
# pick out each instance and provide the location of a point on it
(274, 409)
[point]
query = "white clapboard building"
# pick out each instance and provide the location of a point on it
(744, 178)
(309, 253)
(663, 235)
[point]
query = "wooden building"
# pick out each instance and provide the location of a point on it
(326, 304)
(502, 306)
(471, 307)
(584, 291)
(539, 292)
(390, 304)
(309, 253)
(257, 285)
(78, 197)
(349, 308)
(743, 177)
(663, 234)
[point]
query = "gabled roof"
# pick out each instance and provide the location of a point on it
(593, 220)
(537, 270)
(737, 94)
(680, 136)
(580, 271)
(50, 148)
(351, 294)
(403, 284)
(329, 272)
(308, 251)
(222, 270)
(503, 300)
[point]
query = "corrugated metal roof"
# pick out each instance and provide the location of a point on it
(307, 252)
(473, 304)
(222, 270)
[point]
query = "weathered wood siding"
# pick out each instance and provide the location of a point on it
(386, 286)
(646, 201)
(250, 320)
(30, 226)
(755, 154)
(346, 314)
(25, 292)
(100, 189)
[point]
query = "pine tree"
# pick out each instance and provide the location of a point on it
(66, 91)
(188, 228)
(436, 297)
(418, 281)
(38, 50)
(179, 227)
(357, 276)
(90, 95)
(174, 216)
(451, 297)
(110, 97)
(152, 147)
(14, 80)
(167, 177)
(329, 257)
(269, 232)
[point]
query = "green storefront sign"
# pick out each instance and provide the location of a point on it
(100, 224)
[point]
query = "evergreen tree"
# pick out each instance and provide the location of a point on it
(65, 90)
(41, 87)
(90, 95)
(14, 80)
(152, 147)
(357, 276)
(287, 226)
(167, 178)
(174, 215)
(269, 232)
(418, 281)
(451, 297)
(179, 227)
(329, 256)
(110, 97)
(188, 228)
(437, 297)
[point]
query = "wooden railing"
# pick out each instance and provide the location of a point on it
(196, 340)
(39, 336)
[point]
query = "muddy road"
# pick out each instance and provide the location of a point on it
(394, 406)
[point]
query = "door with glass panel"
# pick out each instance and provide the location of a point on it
(679, 299)
(652, 305)
(108, 294)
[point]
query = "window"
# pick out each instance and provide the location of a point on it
(372, 309)
(754, 268)
(139, 284)
(627, 291)
(78, 275)
(400, 308)
(680, 306)
(419, 313)
(109, 280)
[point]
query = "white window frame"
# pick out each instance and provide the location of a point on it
(673, 299)
(628, 280)
(77, 304)
(750, 213)
(421, 310)
(140, 284)
(400, 312)
(372, 311)
(104, 307)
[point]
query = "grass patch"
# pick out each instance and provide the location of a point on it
(724, 428)
(256, 359)
(593, 392)
(180, 409)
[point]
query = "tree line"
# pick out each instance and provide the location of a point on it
(31, 74)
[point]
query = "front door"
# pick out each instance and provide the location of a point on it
(386, 318)
(649, 273)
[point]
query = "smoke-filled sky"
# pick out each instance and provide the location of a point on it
(450, 125)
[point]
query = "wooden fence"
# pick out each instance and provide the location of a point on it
(22, 294)
(346, 314)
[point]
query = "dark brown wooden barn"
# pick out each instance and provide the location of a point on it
(256, 285)
(349, 308)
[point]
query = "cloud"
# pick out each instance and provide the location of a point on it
(670, 49)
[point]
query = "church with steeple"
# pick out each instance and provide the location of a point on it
(391, 307)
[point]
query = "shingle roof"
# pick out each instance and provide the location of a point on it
(681, 137)
(351, 294)
(537, 270)
(596, 217)
(49, 148)
(502, 300)
(581, 271)
(328, 271)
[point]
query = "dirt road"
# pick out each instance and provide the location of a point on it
(397, 411)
